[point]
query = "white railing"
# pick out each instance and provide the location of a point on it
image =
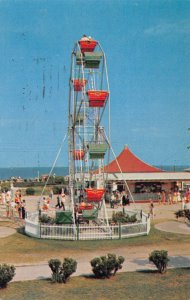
(86, 231)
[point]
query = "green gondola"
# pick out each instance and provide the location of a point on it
(90, 214)
(92, 59)
(64, 217)
(97, 151)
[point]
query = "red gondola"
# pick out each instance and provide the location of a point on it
(78, 84)
(87, 45)
(97, 98)
(78, 154)
(94, 195)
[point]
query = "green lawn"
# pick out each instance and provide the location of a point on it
(20, 248)
(132, 285)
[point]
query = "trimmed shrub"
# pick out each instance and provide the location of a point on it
(62, 272)
(30, 191)
(45, 219)
(7, 273)
(106, 266)
(160, 259)
(120, 217)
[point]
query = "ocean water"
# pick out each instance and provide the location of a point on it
(31, 172)
(170, 168)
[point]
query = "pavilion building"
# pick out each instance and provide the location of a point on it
(144, 180)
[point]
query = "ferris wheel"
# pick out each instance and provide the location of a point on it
(89, 119)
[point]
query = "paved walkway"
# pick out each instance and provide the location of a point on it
(42, 271)
(174, 227)
(6, 231)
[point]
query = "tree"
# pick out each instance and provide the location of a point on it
(160, 259)
(106, 266)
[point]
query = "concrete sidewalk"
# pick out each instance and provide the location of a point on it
(42, 271)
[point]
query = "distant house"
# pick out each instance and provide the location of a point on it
(44, 177)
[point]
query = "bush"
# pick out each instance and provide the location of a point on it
(120, 217)
(61, 273)
(45, 219)
(5, 186)
(30, 191)
(56, 180)
(106, 266)
(57, 190)
(7, 273)
(160, 259)
(183, 213)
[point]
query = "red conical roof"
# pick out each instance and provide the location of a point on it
(129, 163)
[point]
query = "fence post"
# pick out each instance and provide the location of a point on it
(77, 227)
(40, 229)
(119, 231)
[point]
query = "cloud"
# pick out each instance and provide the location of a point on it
(182, 27)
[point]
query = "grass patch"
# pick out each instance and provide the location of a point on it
(19, 248)
(132, 285)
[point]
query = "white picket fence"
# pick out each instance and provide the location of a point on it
(89, 231)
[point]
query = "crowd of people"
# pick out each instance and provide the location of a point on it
(170, 198)
(60, 201)
(173, 197)
(116, 199)
(14, 204)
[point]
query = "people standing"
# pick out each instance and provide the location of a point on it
(170, 198)
(12, 208)
(63, 197)
(175, 197)
(51, 195)
(3, 197)
(151, 209)
(159, 197)
(23, 209)
(127, 200)
(19, 209)
(163, 197)
(112, 200)
(7, 208)
(58, 202)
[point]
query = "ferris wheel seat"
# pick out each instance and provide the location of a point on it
(89, 59)
(78, 154)
(79, 58)
(97, 98)
(92, 56)
(90, 214)
(94, 195)
(97, 95)
(78, 84)
(97, 151)
(88, 45)
(92, 59)
(96, 103)
(80, 119)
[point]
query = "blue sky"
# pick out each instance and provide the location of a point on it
(147, 46)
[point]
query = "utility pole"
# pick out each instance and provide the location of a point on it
(188, 147)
